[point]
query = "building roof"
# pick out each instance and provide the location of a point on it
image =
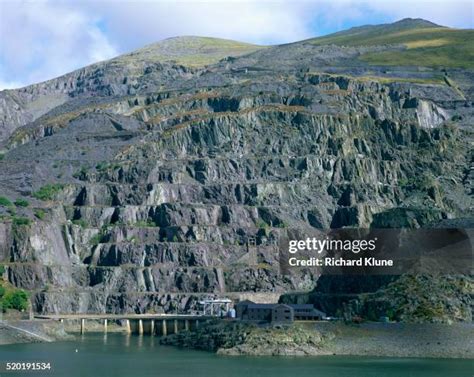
(252, 305)
(216, 301)
(260, 306)
(301, 306)
(266, 306)
(245, 302)
(315, 313)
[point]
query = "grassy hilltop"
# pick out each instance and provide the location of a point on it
(190, 51)
(426, 44)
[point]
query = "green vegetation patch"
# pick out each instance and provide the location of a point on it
(456, 52)
(17, 220)
(191, 51)
(48, 192)
(11, 298)
(22, 202)
(145, 224)
(424, 46)
(100, 237)
(437, 47)
(40, 213)
(421, 298)
(81, 222)
(95, 240)
(81, 173)
(5, 202)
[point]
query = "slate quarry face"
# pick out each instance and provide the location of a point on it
(163, 175)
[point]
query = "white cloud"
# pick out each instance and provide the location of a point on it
(10, 84)
(453, 13)
(134, 23)
(41, 39)
(251, 21)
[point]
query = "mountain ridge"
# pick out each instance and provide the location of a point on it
(405, 23)
(139, 185)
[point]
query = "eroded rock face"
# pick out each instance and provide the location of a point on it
(252, 340)
(420, 298)
(167, 177)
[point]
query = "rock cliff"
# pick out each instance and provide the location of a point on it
(148, 178)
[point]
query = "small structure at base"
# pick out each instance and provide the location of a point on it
(277, 313)
(231, 313)
(214, 307)
(307, 312)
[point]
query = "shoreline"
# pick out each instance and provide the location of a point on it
(328, 339)
(310, 339)
(31, 331)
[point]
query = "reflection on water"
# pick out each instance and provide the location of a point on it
(117, 355)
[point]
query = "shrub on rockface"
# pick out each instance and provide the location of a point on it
(21, 203)
(14, 299)
(5, 202)
(419, 299)
(40, 213)
(48, 192)
(21, 221)
(80, 222)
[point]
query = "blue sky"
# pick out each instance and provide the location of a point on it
(42, 39)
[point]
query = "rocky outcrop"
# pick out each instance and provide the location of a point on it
(324, 338)
(154, 184)
(236, 338)
(24, 331)
(418, 298)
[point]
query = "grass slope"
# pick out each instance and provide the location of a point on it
(192, 51)
(426, 44)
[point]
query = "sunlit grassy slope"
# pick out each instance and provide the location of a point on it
(427, 44)
(191, 51)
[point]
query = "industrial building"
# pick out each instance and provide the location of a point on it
(276, 313)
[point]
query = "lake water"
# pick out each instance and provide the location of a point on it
(117, 355)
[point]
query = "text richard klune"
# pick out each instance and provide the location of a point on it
(325, 247)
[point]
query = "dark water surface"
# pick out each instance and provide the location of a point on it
(117, 355)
